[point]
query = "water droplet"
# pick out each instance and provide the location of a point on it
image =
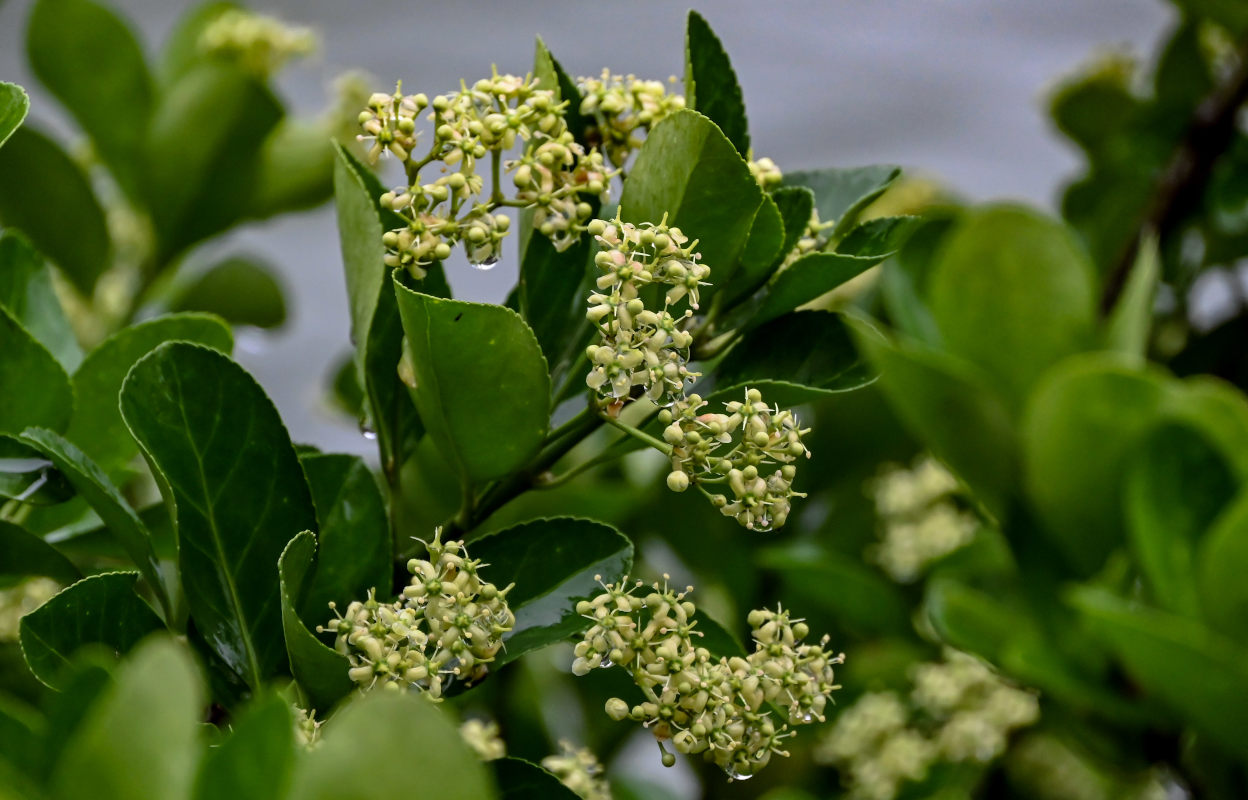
(484, 264)
(606, 662)
(808, 717)
(733, 775)
(368, 432)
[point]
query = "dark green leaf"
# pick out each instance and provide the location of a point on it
(865, 601)
(1222, 558)
(26, 291)
(88, 57)
(36, 389)
(762, 254)
(319, 669)
(402, 738)
(94, 486)
(1229, 13)
(150, 716)
(551, 74)
(27, 476)
(43, 192)
(225, 462)
(806, 279)
(202, 153)
(551, 292)
(1176, 484)
(1014, 293)
(906, 276)
(688, 170)
(518, 779)
(256, 759)
(22, 553)
(481, 383)
(97, 427)
(345, 393)
(21, 734)
(711, 85)
(102, 609)
(243, 291)
(296, 169)
(842, 194)
(554, 563)
(86, 678)
(354, 534)
(13, 107)
(795, 204)
(882, 236)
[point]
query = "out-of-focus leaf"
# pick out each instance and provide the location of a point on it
(711, 84)
(882, 236)
(1221, 561)
(243, 291)
(26, 292)
(295, 169)
(256, 759)
(22, 553)
(864, 601)
(518, 779)
(13, 107)
(841, 194)
(36, 389)
(1131, 320)
(26, 475)
(181, 51)
(806, 279)
(319, 669)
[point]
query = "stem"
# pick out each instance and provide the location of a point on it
(641, 436)
(559, 480)
(496, 160)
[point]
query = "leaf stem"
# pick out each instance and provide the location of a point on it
(641, 436)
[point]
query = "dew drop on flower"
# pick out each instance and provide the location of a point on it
(368, 432)
(485, 264)
(733, 775)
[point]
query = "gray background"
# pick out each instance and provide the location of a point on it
(951, 89)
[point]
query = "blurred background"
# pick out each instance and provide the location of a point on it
(951, 90)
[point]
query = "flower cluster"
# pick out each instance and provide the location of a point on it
(920, 521)
(736, 448)
(958, 711)
(307, 728)
(448, 624)
(623, 107)
(641, 347)
(579, 769)
(259, 44)
(765, 172)
(715, 706)
(814, 239)
(483, 738)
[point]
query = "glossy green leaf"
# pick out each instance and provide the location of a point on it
(43, 191)
(405, 740)
(36, 389)
(13, 107)
(26, 292)
(1077, 488)
(102, 609)
(762, 254)
(22, 553)
(1195, 672)
(711, 85)
(97, 427)
(948, 405)
(795, 204)
(552, 75)
(688, 170)
(841, 194)
(225, 462)
(1014, 293)
(256, 758)
(26, 475)
(89, 480)
(295, 169)
(149, 717)
(806, 279)
(1221, 561)
(553, 563)
(518, 779)
(1176, 484)
(551, 292)
(353, 535)
(202, 153)
(481, 383)
(319, 669)
(242, 291)
(90, 60)
(882, 236)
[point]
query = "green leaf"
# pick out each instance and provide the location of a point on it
(86, 678)
(181, 51)
(97, 427)
(149, 717)
(548, 70)
(864, 601)
(808, 278)
(481, 383)
(296, 169)
(807, 349)
(1176, 484)
(949, 406)
(1013, 292)
(553, 563)
(226, 464)
(843, 194)
(1075, 488)
(401, 737)
(319, 669)
(1131, 321)
(26, 292)
(354, 533)
(795, 203)
(688, 170)
(906, 276)
(27, 476)
(23, 553)
(882, 236)
(711, 85)
(551, 291)
(202, 152)
(104, 498)
(1230, 14)
(256, 759)
(37, 390)
(22, 730)
(43, 192)
(1185, 665)
(243, 291)
(1220, 563)
(518, 779)
(13, 107)
(102, 609)
(90, 60)
(764, 250)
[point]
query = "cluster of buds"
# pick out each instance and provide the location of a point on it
(623, 108)
(579, 769)
(447, 625)
(958, 711)
(483, 738)
(641, 347)
(814, 239)
(307, 728)
(919, 521)
(261, 45)
(715, 706)
(737, 448)
(765, 172)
